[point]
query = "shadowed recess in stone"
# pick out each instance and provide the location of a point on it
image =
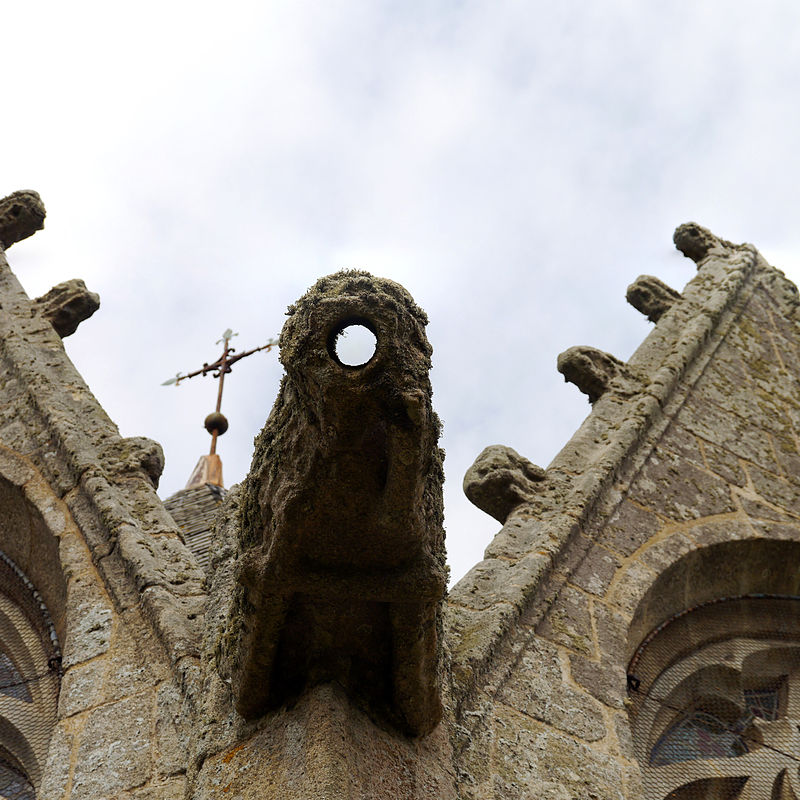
(342, 565)
(651, 296)
(500, 480)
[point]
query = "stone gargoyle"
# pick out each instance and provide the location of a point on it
(341, 566)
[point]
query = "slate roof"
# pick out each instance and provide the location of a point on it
(195, 512)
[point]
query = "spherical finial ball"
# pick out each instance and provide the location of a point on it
(216, 423)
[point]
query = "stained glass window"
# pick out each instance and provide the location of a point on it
(13, 784)
(762, 703)
(697, 735)
(11, 682)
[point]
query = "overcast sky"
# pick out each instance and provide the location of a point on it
(515, 165)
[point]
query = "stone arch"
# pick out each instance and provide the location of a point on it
(713, 642)
(33, 620)
(32, 521)
(723, 570)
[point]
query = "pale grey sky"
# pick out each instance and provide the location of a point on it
(514, 164)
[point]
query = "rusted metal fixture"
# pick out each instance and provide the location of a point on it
(216, 423)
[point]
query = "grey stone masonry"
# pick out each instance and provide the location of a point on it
(705, 452)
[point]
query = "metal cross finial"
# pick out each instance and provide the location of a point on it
(215, 423)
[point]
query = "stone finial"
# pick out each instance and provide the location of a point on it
(500, 480)
(651, 296)
(21, 215)
(68, 304)
(341, 572)
(696, 242)
(590, 369)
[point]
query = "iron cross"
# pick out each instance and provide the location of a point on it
(216, 423)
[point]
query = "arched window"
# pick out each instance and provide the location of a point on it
(14, 783)
(715, 702)
(697, 735)
(30, 661)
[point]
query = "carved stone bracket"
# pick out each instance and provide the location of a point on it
(68, 304)
(697, 242)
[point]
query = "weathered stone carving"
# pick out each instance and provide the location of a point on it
(590, 369)
(68, 304)
(500, 480)
(121, 456)
(696, 242)
(21, 215)
(651, 296)
(342, 564)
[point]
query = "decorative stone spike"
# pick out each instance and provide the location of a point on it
(590, 369)
(21, 215)
(500, 480)
(651, 296)
(697, 242)
(67, 305)
(342, 572)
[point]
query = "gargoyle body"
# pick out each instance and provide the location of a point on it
(341, 557)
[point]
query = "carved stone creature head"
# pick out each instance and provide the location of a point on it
(590, 369)
(372, 426)
(651, 296)
(21, 215)
(697, 242)
(342, 565)
(500, 480)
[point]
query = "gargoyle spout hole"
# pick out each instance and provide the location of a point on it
(353, 342)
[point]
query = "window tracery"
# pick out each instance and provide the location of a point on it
(715, 702)
(29, 683)
(12, 683)
(14, 784)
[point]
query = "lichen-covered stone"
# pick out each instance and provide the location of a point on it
(591, 370)
(21, 215)
(651, 296)
(68, 304)
(500, 480)
(342, 565)
(697, 242)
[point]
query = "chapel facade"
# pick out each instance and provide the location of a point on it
(632, 631)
